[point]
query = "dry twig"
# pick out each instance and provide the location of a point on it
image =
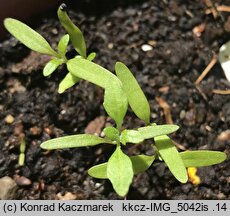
(166, 108)
(220, 8)
(207, 69)
(223, 92)
(211, 8)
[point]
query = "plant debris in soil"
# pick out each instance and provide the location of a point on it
(166, 44)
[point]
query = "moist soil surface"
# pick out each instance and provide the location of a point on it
(179, 40)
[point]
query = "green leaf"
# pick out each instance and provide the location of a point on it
(62, 45)
(171, 157)
(112, 133)
(99, 171)
(140, 163)
(91, 72)
(115, 100)
(135, 95)
(29, 37)
(91, 56)
(131, 136)
(74, 32)
(68, 81)
(51, 66)
(73, 141)
(157, 130)
(115, 103)
(202, 158)
(120, 172)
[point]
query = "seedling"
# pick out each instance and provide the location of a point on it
(120, 90)
(22, 149)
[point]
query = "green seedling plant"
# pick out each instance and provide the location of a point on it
(22, 149)
(120, 90)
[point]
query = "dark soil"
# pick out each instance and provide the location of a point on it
(116, 31)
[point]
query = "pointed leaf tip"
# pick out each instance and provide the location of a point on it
(134, 93)
(75, 34)
(171, 157)
(120, 172)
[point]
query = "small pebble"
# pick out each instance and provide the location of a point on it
(22, 180)
(7, 188)
(110, 45)
(224, 136)
(54, 31)
(182, 114)
(9, 119)
(35, 130)
(67, 196)
(146, 47)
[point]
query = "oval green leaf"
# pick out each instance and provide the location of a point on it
(171, 157)
(74, 32)
(131, 136)
(115, 103)
(112, 133)
(149, 132)
(99, 171)
(91, 72)
(68, 81)
(73, 141)
(135, 95)
(202, 158)
(29, 37)
(91, 56)
(140, 163)
(120, 172)
(63, 44)
(51, 66)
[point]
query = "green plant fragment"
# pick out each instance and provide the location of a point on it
(140, 163)
(149, 132)
(51, 66)
(112, 133)
(135, 95)
(29, 37)
(115, 103)
(62, 45)
(171, 157)
(22, 147)
(74, 32)
(91, 56)
(115, 100)
(99, 171)
(202, 158)
(21, 159)
(91, 72)
(68, 81)
(74, 141)
(131, 136)
(120, 172)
